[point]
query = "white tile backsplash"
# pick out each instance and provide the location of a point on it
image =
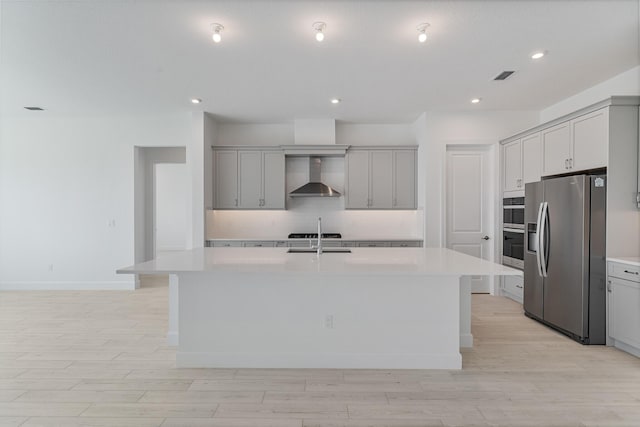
(302, 217)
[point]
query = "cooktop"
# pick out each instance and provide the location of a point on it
(315, 236)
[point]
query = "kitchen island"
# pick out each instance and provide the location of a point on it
(401, 308)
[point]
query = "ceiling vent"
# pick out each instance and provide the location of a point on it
(504, 75)
(34, 108)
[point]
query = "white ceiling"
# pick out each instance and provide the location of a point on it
(147, 56)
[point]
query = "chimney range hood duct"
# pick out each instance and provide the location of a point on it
(314, 188)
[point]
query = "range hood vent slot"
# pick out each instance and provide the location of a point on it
(314, 188)
(306, 150)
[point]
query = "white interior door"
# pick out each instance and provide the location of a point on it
(170, 207)
(469, 207)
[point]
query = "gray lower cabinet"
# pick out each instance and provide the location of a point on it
(260, 244)
(374, 244)
(305, 243)
(380, 178)
(225, 243)
(249, 178)
(513, 287)
(623, 288)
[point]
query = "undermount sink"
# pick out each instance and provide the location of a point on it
(324, 251)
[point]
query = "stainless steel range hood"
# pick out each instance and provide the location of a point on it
(314, 188)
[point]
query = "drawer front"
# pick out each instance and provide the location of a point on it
(624, 271)
(405, 244)
(374, 244)
(226, 244)
(257, 244)
(513, 285)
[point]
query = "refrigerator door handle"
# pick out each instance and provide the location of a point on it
(538, 238)
(543, 238)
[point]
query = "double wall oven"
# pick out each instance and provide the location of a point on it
(513, 232)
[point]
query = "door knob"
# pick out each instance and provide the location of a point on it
(485, 238)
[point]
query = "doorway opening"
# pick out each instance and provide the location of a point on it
(148, 161)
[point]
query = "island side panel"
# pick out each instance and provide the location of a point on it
(275, 320)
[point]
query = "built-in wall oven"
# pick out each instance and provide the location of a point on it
(513, 232)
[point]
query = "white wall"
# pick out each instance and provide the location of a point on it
(436, 130)
(269, 134)
(626, 83)
(171, 202)
(67, 196)
(374, 134)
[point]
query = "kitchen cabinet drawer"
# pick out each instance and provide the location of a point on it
(226, 243)
(406, 244)
(513, 287)
(374, 244)
(624, 271)
(259, 244)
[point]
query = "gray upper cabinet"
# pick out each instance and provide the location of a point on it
(531, 158)
(225, 163)
(380, 178)
(357, 177)
(273, 178)
(512, 166)
(404, 172)
(249, 179)
(556, 147)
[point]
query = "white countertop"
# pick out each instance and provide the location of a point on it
(626, 260)
(343, 239)
(418, 261)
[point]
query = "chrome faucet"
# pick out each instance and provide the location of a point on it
(319, 246)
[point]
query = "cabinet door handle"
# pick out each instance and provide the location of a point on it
(632, 272)
(566, 163)
(609, 286)
(519, 286)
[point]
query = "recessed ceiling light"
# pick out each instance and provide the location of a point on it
(336, 101)
(537, 55)
(422, 32)
(319, 27)
(476, 100)
(196, 100)
(217, 29)
(34, 108)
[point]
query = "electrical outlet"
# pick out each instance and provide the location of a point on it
(112, 223)
(328, 321)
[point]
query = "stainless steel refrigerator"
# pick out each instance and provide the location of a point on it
(564, 257)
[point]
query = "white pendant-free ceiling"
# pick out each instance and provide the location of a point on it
(118, 57)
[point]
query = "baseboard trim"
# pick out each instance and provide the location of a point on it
(319, 360)
(466, 340)
(129, 285)
(172, 338)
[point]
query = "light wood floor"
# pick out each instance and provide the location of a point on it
(99, 359)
